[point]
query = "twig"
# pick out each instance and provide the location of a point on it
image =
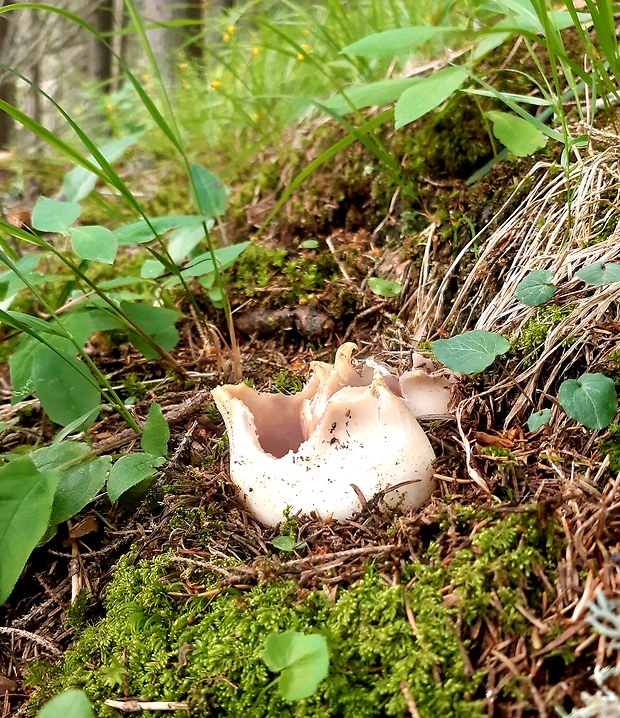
(413, 709)
(135, 706)
(31, 637)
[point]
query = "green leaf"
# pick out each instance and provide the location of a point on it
(303, 661)
(428, 94)
(96, 244)
(156, 433)
(64, 386)
(471, 352)
(79, 183)
(521, 137)
(25, 505)
(384, 287)
(151, 268)
(157, 322)
(309, 244)
(394, 42)
(536, 288)
(599, 273)
(203, 264)
(140, 232)
(70, 704)
(130, 470)
(50, 215)
(210, 192)
(80, 476)
(538, 419)
(284, 543)
(20, 368)
(184, 240)
(591, 400)
(374, 93)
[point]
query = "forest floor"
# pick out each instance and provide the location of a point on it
(474, 605)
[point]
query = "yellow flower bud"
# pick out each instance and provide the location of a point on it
(215, 84)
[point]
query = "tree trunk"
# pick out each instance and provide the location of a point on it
(100, 65)
(7, 84)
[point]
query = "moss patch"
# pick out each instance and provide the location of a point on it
(207, 650)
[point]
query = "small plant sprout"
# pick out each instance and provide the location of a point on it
(538, 419)
(384, 287)
(302, 661)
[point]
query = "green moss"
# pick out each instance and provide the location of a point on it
(373, 645)
(302, 275)
(533, 334)
(610, 444)
(286, 383)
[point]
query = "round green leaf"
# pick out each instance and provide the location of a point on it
(536, 288)
(309, 244)
(591, 400)
(97, 244)
(471, 352)
(521, 137)
(384, 287)
(538, 419)
(70, 704)
(50, 215)
(303, 661)
(599, 273)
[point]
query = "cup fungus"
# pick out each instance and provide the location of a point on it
(344, 428)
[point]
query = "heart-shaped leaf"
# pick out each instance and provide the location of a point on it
(591, 400)
(26, 497)
(96, 244)
(471, 352)
(50, 215)
(536, 288)
(521, 137)
(303, 661)
(538, 419)
(384, 287)
(599, 273)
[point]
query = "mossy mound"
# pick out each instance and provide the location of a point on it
(416, 631)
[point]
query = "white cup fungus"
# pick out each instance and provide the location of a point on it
(306, 450)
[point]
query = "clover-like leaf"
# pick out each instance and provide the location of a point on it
(50, 215)
(591, 400)
(599, 273)
(536, 288)
(96, 244)
(302, 659)
(471, 352)
(538, 419)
